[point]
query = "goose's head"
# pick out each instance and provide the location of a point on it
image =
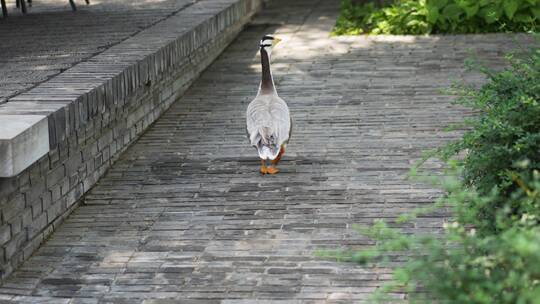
(268, 42)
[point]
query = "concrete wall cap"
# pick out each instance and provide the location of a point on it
(23, 140)
(14, 125)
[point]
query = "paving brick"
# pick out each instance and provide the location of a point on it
(13, 207)
(5, 234)
(11, 248)
(35, 191)
(55, 176)
(37, 225)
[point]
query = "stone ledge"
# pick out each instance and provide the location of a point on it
(24, 139)
(103, 82)
(95, 110)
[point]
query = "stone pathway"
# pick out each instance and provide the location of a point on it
(185, 217)
(51, 38)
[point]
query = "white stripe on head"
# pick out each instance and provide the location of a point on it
(267, 39)
(266, 43)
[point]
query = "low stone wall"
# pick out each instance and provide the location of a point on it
(96, 109)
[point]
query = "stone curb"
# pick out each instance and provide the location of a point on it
(79, 122)
(103, 82)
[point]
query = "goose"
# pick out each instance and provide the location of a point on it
(267, 116)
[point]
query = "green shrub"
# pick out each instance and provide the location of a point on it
(490, 251)
(439, 16)
(461, 265)
(506, 130)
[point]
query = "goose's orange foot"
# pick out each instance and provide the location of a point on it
(278, 157)
(272, 170)
(264, 170)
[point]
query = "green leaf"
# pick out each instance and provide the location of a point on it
(484, 2)
(401, 275)
(524, 18)
(452, 12)
(510, 7)
(437, 3)
(536, 12)
(489, 13)
(471, 11)
(432, 14)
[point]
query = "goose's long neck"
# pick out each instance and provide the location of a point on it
(267, 82)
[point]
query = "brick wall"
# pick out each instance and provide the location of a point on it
(100, 127)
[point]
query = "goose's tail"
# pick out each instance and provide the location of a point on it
(267, 146)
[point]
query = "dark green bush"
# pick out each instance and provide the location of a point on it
(506, 131)
(439, 16)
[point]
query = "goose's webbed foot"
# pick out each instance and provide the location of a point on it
(264, 170)
(278, 158)
(272, 170)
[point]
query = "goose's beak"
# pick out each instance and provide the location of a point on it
(275, 41)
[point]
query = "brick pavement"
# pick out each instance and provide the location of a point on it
(185, 217)
(51, 38)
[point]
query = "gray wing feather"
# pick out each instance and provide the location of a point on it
(268, 111)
